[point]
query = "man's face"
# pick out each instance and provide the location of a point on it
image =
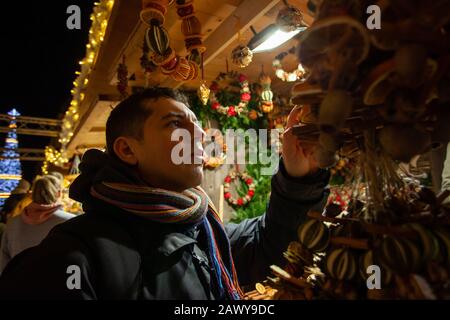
(154, 150)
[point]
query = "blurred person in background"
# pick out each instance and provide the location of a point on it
(30, 227)
(20, 198)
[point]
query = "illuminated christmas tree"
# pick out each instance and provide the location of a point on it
(10, 169)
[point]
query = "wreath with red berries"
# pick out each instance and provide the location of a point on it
(243, 176)
(231, 111)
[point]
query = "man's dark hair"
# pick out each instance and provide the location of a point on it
(128, 117)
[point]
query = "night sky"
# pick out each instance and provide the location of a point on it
(39, 57)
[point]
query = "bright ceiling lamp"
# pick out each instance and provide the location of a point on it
(270, 38)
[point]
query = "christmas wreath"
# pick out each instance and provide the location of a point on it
(243, 176)
(232, 111)
(297, 74)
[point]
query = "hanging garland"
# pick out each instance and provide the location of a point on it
(245, 177)
(297, 74)
(158, 42)
(266, 105)
(231, 111)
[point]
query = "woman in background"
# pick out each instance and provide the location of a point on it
(37, 219)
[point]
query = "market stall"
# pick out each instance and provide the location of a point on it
(369, 101)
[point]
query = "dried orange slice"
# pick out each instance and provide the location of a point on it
(379, 84)
(341, 34)
(260, 288)
(307, 116)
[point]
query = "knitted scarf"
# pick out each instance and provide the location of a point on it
(111, 184)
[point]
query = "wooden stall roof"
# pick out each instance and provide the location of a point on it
(221, 21)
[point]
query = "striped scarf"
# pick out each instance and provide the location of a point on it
(192, 207)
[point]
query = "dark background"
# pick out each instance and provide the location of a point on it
(39, 57)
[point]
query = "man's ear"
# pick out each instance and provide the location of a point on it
(124, 150)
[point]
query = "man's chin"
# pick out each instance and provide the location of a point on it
(192, 177)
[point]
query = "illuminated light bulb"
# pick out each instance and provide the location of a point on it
(292, 77)
(279, 73)
(86, 81)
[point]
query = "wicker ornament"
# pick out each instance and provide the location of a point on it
(157, 39)
(158, 43)
(241, 56)
(289, 19)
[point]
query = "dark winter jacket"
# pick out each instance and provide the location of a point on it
(121, 256)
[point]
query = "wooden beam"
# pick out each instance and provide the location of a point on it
(245, 15)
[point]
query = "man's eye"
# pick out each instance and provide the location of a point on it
(175, 123)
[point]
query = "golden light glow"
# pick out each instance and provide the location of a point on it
(99, 17)
(10, 177)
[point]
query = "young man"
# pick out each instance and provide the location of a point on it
(149, 232)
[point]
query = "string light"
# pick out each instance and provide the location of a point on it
(101, 14)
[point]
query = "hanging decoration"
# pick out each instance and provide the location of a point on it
(146, 63)
(244, 177)
(241, 56)
(289, 18)
(158, 41)
(266, 105)
(203, 91)
(297, 74)
(245, 96)
(122, 79)
(213, 160)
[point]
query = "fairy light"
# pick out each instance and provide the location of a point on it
(99, 17)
